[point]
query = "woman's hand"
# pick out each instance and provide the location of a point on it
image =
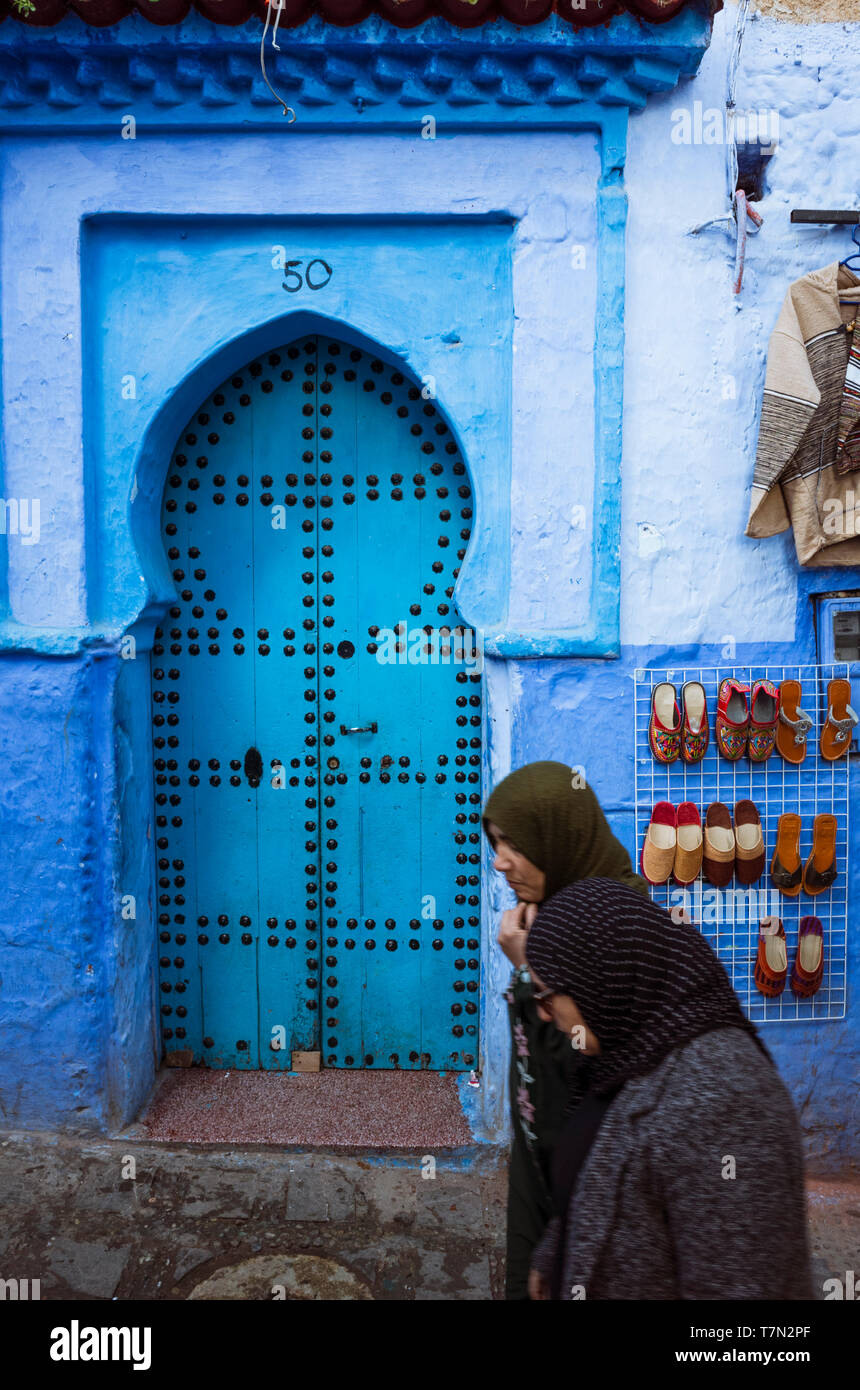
(538, 1288)
(513, 930)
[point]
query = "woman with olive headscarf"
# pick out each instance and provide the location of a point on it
(548, 831)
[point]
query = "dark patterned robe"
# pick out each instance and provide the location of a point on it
(542, 1063)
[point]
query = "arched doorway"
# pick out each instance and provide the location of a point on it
(317, 724)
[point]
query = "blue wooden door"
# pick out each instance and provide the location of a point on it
(317, 725)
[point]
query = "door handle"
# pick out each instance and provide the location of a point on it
(253, 767)
(359, 729)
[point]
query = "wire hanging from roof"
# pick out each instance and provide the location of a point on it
(741, 219)
(278, 6)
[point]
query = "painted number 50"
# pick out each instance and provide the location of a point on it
(293, 280)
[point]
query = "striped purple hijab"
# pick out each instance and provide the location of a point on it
(644, 984)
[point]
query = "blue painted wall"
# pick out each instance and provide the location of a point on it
(152, 258)
(694, 371)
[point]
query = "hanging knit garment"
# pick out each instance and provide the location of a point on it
(848, 435)
(808, 440)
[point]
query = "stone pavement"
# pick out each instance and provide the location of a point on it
(129, 1218)
(123, 1218)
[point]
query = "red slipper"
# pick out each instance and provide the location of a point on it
(695, 734)
(771, 965)
(733, 718)
(688, 853)
(658, 851)
(808, 969)
(664, 730)
(764, 719)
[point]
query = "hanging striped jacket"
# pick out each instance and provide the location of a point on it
(798, 479)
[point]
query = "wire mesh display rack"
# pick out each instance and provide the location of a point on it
(730, 918)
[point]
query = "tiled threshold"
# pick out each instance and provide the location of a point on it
(327, 1109)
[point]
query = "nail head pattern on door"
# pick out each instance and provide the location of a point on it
(317, 721)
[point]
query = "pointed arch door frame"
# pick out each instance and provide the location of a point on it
(131, 587)
(484, 554)
(321, 489)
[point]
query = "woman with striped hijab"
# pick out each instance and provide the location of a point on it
(679, 1172)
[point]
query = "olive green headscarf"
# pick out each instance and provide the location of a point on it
(559, 826)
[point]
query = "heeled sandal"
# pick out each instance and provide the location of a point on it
(840, 722)
(794, 724)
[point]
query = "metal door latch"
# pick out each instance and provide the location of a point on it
(359, 729)
(253, 767)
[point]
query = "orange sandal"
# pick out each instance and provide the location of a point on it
(794, 724)
(841, 719)
(786, 869)
(771, 965)
(820, 870)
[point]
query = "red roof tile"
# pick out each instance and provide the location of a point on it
(403, 13)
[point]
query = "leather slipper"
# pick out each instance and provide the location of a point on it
(749, 854)
(841, 718)
(664, 730)
(786, 869)
(808, 969)
(658, 851)
(794, 723)
(688, 853)
(820, 870)
(718, 858)
(771, 964)
(695, 734)
(733, 718)
(764, 718)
